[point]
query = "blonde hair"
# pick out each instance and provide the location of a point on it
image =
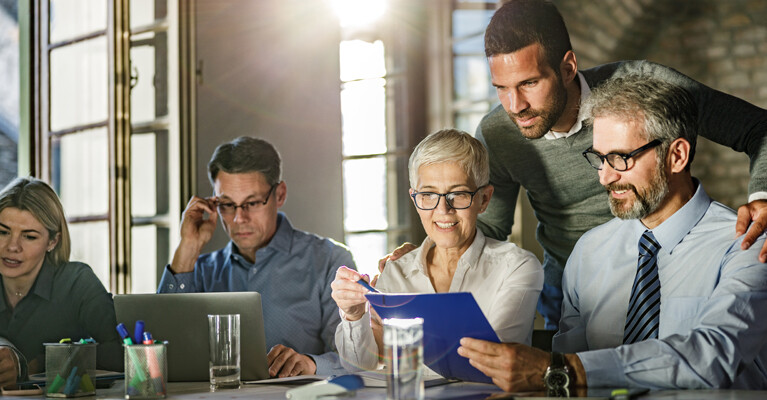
(451, 145)
(36, 197)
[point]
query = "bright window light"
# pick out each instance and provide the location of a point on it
(358, 12)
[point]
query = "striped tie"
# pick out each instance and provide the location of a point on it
(643, 315)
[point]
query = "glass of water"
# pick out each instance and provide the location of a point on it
(224, 333)
(403, 354)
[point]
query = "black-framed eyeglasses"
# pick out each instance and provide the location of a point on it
(457, 200)
(618, 161)
(229, 208)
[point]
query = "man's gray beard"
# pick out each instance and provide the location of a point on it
(644, 204)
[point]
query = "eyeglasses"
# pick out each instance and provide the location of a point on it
(230, 208)
(618, 161)
(456, 200)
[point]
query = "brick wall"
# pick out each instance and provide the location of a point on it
(721, 43)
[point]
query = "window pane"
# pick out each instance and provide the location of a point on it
(144, 259)
(143, 91)
(79, 84)
(9, 87)
(471, 79)
(90, 244)
(80, 172)
(143, 175)
(367, 248)
(468, 120)
(71, 18)
(144, 12)
(362, 60)
(471, 23)
(363, 107)
(365, 194)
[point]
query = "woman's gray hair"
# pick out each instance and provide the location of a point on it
(37, 198)
(451, 145)
(666, 111)
(246, 154)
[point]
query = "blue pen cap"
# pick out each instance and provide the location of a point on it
(138, 332)
(122, 330)
(147, 338)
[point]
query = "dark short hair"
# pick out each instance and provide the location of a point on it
(665, 111)
(521, 23)
(246, 154)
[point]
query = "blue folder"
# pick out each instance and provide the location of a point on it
(447, 317)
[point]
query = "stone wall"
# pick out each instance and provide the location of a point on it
(721, 43)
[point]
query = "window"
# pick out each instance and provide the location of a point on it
(10, 84)
(379, 92)
(109, 132)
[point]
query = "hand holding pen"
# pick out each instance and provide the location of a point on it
(349, 295)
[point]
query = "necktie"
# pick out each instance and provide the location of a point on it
(643, 315)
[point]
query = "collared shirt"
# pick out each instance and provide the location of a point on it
(504, 279)
(293, 275)
(585, 93)
(67, 301)
(712, 332)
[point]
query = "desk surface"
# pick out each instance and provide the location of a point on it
(455, 391)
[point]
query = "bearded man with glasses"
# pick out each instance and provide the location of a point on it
(265, 254)
(449, 180)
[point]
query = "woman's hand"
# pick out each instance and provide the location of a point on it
(348, 294)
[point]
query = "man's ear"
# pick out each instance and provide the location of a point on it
(679, 155)
(568, 68)
(281, 193)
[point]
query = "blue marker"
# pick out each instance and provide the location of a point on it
(123, 331)
(367, 286)
(138, 332)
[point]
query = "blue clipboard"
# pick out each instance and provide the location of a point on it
(447, 317)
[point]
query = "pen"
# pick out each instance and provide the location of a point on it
(123, 331)
(66, 370)
(147, 338)
(138, 332)
(131, 353)
(367, 286)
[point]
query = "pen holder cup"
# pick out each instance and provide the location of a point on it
(70, 369)
(146, 371)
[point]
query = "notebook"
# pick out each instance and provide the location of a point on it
(182, 320)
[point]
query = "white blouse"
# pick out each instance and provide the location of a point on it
(504, 279)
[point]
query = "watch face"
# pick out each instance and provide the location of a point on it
(557, 378)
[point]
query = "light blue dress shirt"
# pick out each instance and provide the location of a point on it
(293, 274)
(713, 295)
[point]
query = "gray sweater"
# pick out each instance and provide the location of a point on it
(564, 189)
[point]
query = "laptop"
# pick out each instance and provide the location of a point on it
(182, 320)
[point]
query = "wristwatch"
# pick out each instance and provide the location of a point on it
(557, 378)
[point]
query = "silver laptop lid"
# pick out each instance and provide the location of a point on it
(181, 319)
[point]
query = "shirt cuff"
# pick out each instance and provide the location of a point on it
(757, 196)
(603, 368)
(176, 283)
(327, 364)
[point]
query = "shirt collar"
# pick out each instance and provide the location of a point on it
(42, 287)
(671, 231)
(468, 259)
(281, 241)
(585, 93)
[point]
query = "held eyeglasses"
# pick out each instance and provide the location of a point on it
(229, 208)
(618, 161)
(456, 200)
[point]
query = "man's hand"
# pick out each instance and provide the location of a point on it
(284, 362)
(9, 367)
(400, 251)
(196, 231)
(513, 367)
(348, 294)
(754, 214)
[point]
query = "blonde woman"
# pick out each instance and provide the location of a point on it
(46, 297)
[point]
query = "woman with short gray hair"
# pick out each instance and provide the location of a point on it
(449, 179)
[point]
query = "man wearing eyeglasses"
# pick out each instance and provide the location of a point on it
(291, 269)
(662, 296)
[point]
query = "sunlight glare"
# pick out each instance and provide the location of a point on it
(358, 12)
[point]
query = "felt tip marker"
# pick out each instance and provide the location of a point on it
(123, 331)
